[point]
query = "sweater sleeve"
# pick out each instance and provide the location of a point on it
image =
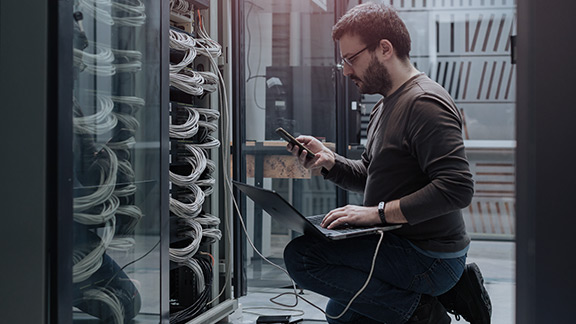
(434, 138)
(349, 174)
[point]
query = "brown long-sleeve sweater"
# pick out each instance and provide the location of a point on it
(415, 153)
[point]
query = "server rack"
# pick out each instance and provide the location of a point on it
(200, 226)
(126, 163)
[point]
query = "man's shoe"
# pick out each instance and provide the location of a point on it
(468, 298)
(429, 311)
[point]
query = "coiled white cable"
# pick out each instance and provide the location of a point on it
(180, 6)
(187, 129)
(193, 265)
(85, 264)
(107, 297)
(99, 9)
(136, 14)
(198, 164)
(188, 58)
(181, 41)
(210, 143)
(189, 205)
(122, 243)
(129, 123)
(131, 211)
(99, 63)
(187, 84)
(124, 144)
(195, 234)
(135, 103)
(99, 123)
(108, 171)
(108, 211)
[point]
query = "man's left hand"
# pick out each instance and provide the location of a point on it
(351, 215)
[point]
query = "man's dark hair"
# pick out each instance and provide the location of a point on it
(373, 22)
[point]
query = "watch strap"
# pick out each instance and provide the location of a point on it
(381, 214)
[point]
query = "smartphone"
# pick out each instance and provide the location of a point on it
(269, 319)
(290, 139)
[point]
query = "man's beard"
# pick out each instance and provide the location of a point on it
(376, 79)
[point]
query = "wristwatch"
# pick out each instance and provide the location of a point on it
(381, 206)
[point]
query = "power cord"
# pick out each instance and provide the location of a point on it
(296, 295)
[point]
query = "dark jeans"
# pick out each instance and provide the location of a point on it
(338, 269)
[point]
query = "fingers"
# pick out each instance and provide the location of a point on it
(335, 218)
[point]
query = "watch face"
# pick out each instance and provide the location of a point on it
(381, 205)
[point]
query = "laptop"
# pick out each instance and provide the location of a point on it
(284, 212)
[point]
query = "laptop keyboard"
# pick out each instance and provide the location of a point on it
(317, 220)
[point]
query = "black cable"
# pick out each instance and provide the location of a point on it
(132, 262)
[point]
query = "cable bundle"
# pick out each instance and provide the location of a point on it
(192, 231)
(101, 122)
(185, 79)
(188, 58)
(188, 205)
(132, 102)
(97, 62)
(108, 298)
(189, 128)
(133, 15)
(94, 9)
(127, 60)
(180, 6)
(108, 170)
(181, 41)
(187, 84)
(87, 261)
(203, 269)
(197, 162)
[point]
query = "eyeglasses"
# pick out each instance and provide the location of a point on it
(349, 60)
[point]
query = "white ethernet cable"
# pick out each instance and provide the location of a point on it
(85, 264)
(189, 128)
(180, 255)
(135, 103)
(193, 265)
(181, 41)
(188, 58)
(194, 205)
(129, 123)
(136, 13)
(198, 164)
(211, 142)
(108, 212)
(107, 297)
(108, 170)
(101, 122)
(131, 211)
(98, 63)
(180, 6)
(99, 9)
(121, 145)
(122, 243)
(187, 84)
(132, 57)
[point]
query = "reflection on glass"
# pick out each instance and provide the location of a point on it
(116, 114)
(289, 84)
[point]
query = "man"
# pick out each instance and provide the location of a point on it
(413, 172)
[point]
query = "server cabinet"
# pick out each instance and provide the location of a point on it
(200, 204)
(119, 179)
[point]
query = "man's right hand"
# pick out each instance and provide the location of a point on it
(324, 156)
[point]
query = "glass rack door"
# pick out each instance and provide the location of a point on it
(117, 161)
(289, 83)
